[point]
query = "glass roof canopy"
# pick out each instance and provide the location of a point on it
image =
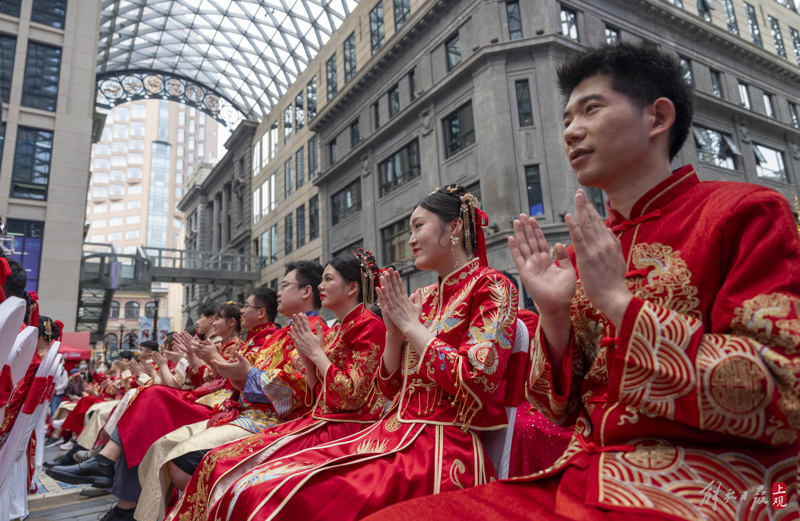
(231, 58)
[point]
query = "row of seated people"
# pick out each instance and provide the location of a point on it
(306, 385)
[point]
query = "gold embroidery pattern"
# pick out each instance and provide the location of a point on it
(669, 281)
(766, 317)
(392, 424)
(682, 482)
(657, 370)
(371, 446)
(195, 503)
(457, 468)
(736, 386)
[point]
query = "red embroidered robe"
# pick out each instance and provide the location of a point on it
(347, 399)
(175, 408)
(429, 442)
(693, 407)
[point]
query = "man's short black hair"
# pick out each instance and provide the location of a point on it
(149, 344)
(15, 283)
(641, 72)
(268, 298)
(309, 273)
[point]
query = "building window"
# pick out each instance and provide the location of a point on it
(273, 139)
(10, 7)
(399, 168)
(752, 21)
(376, 29)
(612, 35)
(28, 237)
(769, 105)
(376, 114)
(676, 3)
(789, 4)
(452, 48)
(794, 114)
(49, 12)
(273, 240)
(313, 218)
(459, 130)
(715, 148)
(288, 239)
(402, 11)
(299, 113)
(265, 248)
(412, 84)
(40, 88)
(795, 43)
(299, 168)
(349, 57)
(131, 310)
(330, 77)
(355, 134)
(514, 19)
(287, 178)
(769, 163)
(716, 83)
(394, 100)
(569, 23)
(395, 242)
(534, 183)
(264, 198)
(704, 8)
(311, 98)
(332, 151)
(524, 107)
(300, 214)
(313, 164)
(256, 159)
(113, 312)
(273, 191)
(287, 124)
(775, 29)
(744, 95)
(686, 65)
(346, 202)
(8, 46)
(730, 17)
(31, 173)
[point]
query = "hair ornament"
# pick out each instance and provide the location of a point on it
(370, 274)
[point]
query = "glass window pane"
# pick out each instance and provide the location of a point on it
(42, 69)
(8, 46)
(31, 173)
(49, 12)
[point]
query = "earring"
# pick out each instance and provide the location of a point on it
(453, 242)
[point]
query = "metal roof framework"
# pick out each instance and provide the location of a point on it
(233, 59)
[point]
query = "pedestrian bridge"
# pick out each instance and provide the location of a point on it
(104, 271)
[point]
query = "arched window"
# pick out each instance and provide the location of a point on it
(150, 309)
(132, 309)
(114, 312)
(131, 340)
(112, 340)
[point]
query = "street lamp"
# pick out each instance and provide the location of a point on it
(121, 331)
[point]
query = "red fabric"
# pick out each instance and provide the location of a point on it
(37, 391)
(551, 500)
(700, 377)
(75, 418)
(5, 271)
(157, 410)
(33, 316)
(6, 385)
(347, 396)
(18, 397)
(481, 220)
(429, 442)
(536, 442)
(60, 325)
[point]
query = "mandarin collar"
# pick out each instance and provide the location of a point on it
(679, 182)
(459, 273)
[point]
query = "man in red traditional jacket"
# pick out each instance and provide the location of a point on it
(674, 351)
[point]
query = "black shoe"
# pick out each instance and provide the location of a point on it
(91, 472)
(64, 459)
(115, 514)
(93, 492)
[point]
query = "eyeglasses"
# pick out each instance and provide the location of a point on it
(286, 283)
(252, 306)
